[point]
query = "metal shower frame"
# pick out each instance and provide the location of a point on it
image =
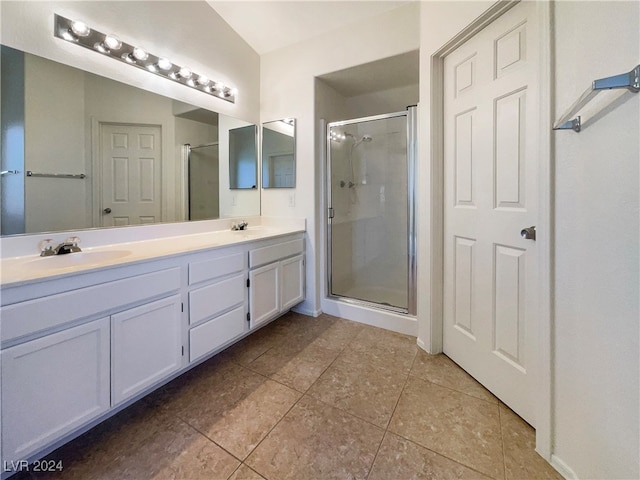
(411, 114)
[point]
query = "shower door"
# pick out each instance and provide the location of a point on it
(371, 238)
(203, 184)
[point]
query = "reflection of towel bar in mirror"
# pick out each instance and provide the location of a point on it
(629, 80)
(56, 175)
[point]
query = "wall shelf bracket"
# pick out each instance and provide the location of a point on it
(629, 81)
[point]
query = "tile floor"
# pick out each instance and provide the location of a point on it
(317, 399)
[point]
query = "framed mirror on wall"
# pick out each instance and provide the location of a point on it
(103, 153)
(243, 157)
(279, 153)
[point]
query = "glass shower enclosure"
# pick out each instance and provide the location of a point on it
(371, 210)
(203, 201)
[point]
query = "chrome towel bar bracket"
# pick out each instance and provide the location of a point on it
(629, 80)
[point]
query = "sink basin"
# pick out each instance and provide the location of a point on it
(73, 260)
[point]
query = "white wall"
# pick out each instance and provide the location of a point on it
(597, 405)
(287, 90)
(188, 33)
(595, 340)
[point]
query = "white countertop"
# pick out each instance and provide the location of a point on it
(18, 270)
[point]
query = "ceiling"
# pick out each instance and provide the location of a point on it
(270, 25)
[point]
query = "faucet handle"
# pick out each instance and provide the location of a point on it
(73, 240)
(46, 247)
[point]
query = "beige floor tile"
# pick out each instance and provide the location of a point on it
(443, 371)
(238, 410)
(366, 390)
(316, 441)
(251, 347)
(384, 348)
(401, 459)
(294, 366)
(147, 445)
(456, 425)
(520, 458)
(245, 473)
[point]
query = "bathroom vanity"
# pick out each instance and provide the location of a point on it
(87, 334)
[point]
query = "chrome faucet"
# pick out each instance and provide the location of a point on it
(241, 225)
(70, 245)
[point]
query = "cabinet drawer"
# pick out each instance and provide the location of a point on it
(45, 313)
(207, 337)
(272, 253)
(209, 301)
(215, 268)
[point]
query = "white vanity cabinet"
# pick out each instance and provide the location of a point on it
(217, 301)
(77, 349)
(69, 356)
(52, 385)
(276, 280)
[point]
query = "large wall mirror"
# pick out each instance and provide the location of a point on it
(82, 151)
(279, 154)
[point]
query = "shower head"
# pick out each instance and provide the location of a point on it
(365, 138)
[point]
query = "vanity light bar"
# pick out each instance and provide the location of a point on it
(109, 45)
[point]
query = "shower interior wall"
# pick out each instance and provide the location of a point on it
(367, 227)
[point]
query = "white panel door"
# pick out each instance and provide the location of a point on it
(131, 157)
(53, 385)
(490, 281)
(146, 347)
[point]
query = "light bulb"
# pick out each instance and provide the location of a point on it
(140, 54)
(80, 28)
(203, 80)
(234, 91)
(191, 83)
(164, 64)
(112, 42)
(185, 72)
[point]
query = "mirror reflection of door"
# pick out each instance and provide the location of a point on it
(131, 157)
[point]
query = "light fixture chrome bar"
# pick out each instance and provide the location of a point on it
(56, 175)
(629, 80)
(80, 34)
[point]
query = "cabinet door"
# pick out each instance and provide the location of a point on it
(264, 294)
(146, 347)
(292, 282)
(53, 385)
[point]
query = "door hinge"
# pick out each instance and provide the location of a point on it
(183, 350)
(248, 283)
(248, 317)
(331, 212)
(182, 306)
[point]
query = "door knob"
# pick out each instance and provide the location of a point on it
(528, 233)
(107, 210)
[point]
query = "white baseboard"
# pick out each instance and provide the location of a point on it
(307, 311)
(563, 469)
